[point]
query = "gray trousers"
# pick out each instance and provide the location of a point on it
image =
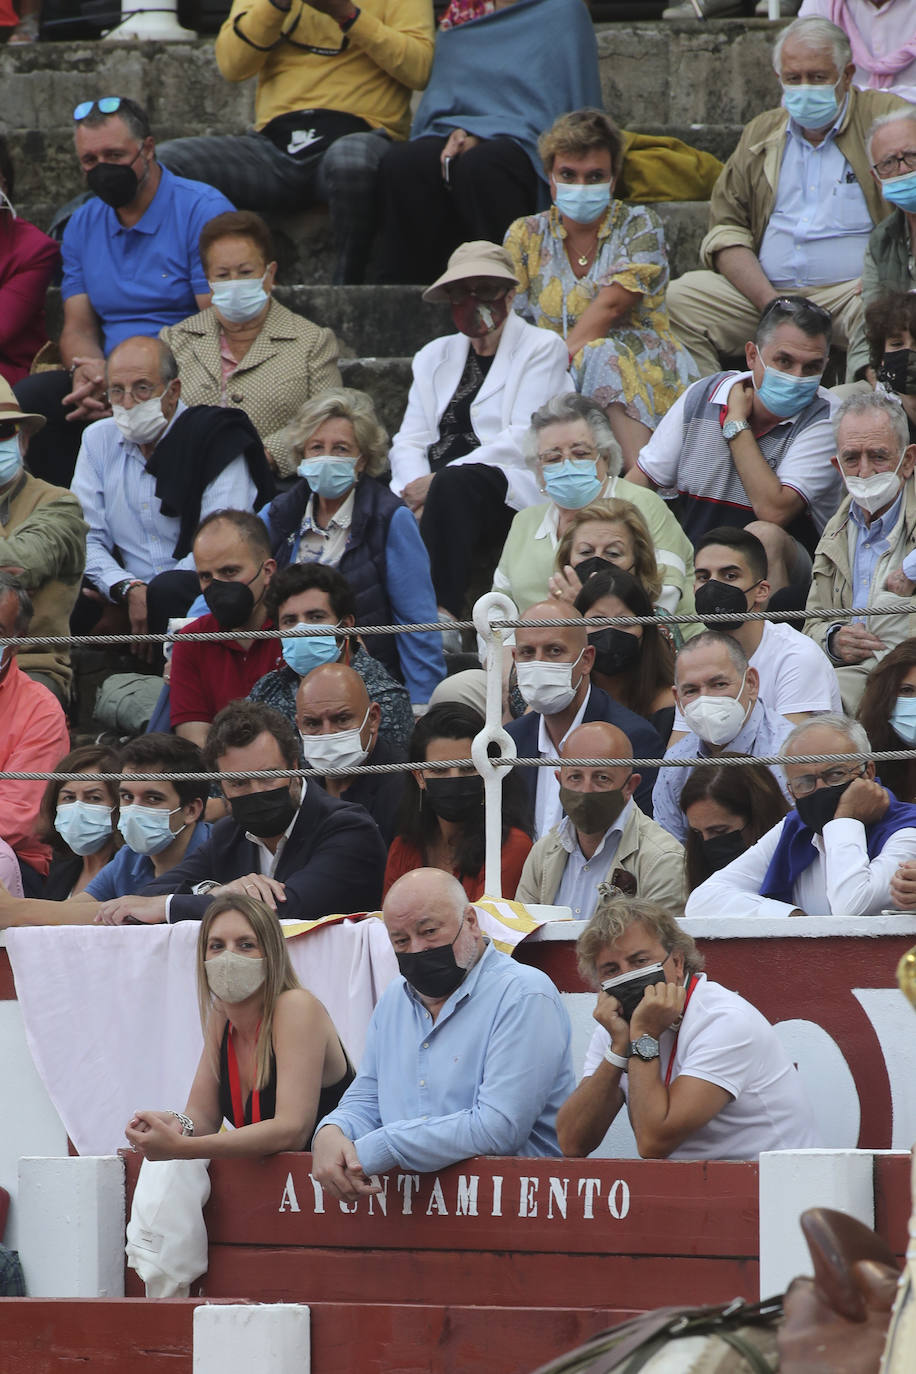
(255, 174)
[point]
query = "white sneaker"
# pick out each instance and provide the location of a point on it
(711, 9)
(787, 8)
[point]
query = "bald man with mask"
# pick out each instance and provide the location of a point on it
(603, 839)
(553, 664)
(339, 728)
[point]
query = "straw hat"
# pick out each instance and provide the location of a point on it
(11, 410)
(476, 259)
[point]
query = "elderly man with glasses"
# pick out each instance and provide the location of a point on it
(889, 264)
(865, 556)
(131, 265)
(794, 205)
(836, 853)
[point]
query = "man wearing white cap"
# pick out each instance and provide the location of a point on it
(457, 459)
(42, 543)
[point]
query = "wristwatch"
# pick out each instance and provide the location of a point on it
(646, 1047)
(732, 428)
(119, 591)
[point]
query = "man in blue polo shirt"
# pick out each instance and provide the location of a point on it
(131, 265)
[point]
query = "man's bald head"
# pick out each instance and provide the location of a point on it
(425, 890)
(144, 353)
(597, 739)
(333, 697)
(575, 636)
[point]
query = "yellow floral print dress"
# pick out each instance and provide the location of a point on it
(640, 365)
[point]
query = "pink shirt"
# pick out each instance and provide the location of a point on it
(881, 30)
(33, 738)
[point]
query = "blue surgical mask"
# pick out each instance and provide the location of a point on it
(901, 191)
(813, 107)
(584, 204)
(784, 394)
(304, 652)
(10, 459)
(903, 719)
(573, 482)
(147, 829)
(239, 300)
(329, 477)
(83, 826)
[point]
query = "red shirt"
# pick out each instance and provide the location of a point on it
(27, 261)
(206, 677)
(402, 857)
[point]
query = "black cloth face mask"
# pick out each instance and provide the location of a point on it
(628, 988)
(615, 650)
(589, 566)
(720, 598)
(898, 371)
(720, 850)
(434, 972)
(819, 807)
(230, 603)
(264, 814)
(455, 799)
(592, 812)
(113, 182)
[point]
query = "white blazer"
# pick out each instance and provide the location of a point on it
(531, 366)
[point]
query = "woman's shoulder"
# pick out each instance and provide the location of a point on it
(528, 227)
(298, 1007)
(282, 323)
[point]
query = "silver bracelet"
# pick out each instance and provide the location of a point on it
(619, 1061)
(185, 1122)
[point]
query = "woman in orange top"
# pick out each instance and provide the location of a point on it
(441, 823)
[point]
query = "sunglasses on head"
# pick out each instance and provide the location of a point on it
(109, 104)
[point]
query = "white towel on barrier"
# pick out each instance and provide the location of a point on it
(111, 1014)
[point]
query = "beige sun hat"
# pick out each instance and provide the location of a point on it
(476, 259)
(11, 410)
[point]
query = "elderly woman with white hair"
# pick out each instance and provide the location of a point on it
(341, 515)
(576, 461)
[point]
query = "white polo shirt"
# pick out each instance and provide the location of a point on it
(726, 1041)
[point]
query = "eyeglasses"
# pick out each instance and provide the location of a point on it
(889, 166)
(458, 295)
(803, 786)
(580, 452)
(109, 104)
(139, 392)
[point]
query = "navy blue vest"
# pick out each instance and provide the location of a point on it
(363, 561)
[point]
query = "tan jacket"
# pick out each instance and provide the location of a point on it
(831, 583)
(290, 360)
(654, 858)
(743, 197)
(43, 540)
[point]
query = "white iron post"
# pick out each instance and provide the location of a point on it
(153, 20)
(493, 606)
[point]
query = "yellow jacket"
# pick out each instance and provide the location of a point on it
(743, 197)
(389, 54)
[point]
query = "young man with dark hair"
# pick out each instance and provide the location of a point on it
(161, 821)
(234, 566)
(286, 842)
(313, 594)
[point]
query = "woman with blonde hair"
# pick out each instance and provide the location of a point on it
(341, 515)
(602, 535)
(272, 1063)
(595, 270)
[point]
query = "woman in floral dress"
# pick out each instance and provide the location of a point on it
(595, 271)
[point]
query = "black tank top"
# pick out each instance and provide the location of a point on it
(327, 1101)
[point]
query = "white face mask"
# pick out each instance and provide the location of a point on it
(716, 720)
(234, 977)
(343, 749)
(143, 423)
(547, 687)
(875, 492)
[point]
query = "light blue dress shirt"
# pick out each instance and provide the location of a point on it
(761, 734)
(871, 544)
(819, 225)
(579, 885)
(486, 1078)
(122, 510)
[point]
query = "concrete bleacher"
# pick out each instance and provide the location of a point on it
(700, 82)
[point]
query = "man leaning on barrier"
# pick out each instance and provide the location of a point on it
(836, 853)
(701, 1071)
(468, 1053)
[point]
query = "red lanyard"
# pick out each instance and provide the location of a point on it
(694, 980)
(235, 1086)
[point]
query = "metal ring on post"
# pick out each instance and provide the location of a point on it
(493, 606)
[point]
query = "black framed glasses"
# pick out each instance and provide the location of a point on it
(804, 785)
(891, 165)
(109, 104)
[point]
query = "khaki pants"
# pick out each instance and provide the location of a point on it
(713, 320)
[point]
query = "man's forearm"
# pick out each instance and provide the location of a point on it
(770, 499)
(584, 1118)
(76, 342)
(741, 267)
(648, 1102)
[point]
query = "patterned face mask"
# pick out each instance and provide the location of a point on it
(898, 371)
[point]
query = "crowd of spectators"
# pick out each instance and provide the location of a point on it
(595, 440)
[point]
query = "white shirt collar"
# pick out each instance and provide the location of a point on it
(256, 839)
(545, 743)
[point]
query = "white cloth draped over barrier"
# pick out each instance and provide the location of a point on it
(111, 1014)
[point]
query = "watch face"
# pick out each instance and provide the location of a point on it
(646, 1047)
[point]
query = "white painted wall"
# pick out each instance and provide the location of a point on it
(31, 1126)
